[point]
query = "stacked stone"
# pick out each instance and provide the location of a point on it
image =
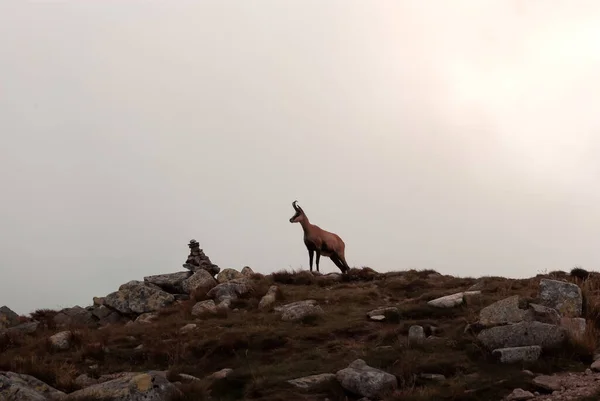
(198, 260)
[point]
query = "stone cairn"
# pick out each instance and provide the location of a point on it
(198, 260)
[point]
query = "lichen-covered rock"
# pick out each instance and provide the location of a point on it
(565, 297)
(450, 301)
(62, 340)
(299, 310)
(314, 383)
(518, 354)
(550, 383)
(575, 326)
(519, 394)
(416, 334)
(366, 381)
(269, 298)
(147, 318)
(138, 297)
(230, 290)
(382, 313)
(523, 334)
(150, 386)
(200, 280)
(204, 308)
(544, 314)
(8, 317)
(247, 271)
(228, 274)
(503, 311)
(171, 283)
(23, 328)
(74, 316)
(21, 387)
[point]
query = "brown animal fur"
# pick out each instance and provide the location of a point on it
(320, 241)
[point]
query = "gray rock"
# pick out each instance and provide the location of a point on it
(229, 290)
(544, 314)
(565, 297)
(228, 274)
(220, 374)
(84, 380)
(146, 318)
(171, 283)
(138, 297)
(62, 340)
(150, 386)
(200, 280)
(299, 310)
(552, 383)
(366, 381)
(101, 312)
(518, 354)
(501, 312)
(247, 271)
(8, 318)
(522, 334)
(21, 387)
(432, 377)
(380, 314)
(204, 307)
(596, 366)
(269, 298)
(314, 383)
(23, 328)
(519, 394)
(98, 301)
(76, 315)
(450, 301)
(416, 334)
(188, 328)
(478, 286)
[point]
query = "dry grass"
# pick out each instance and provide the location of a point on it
(265, 351)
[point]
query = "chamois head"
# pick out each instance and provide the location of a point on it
(299, 215)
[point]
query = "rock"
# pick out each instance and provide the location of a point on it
(416, 334)
(21, 387)
(229, 290)
(101, 312)
(501, 312)
(366, 381)
(247, 271)
(76, 315)
(220, 374)
(270, 298)
(188, 328)
(138, 297)
(596, 366)
(523, 334)
(98, 301)
(314, 383)
(575, 326)
(450, 301)
(197, 260)
(432, 377)
(544, 314)
(551, 383)
(228, 274)
(565, 297)
(383, 313)
(114, 317)
(199, 281)
(8, 318)
(204, 307)
(23, 328)
(150, 386)
(519, 394)
(171, 283)
(299, 310)
(146, 318)
(61, 340)
(478, 286)
(518, 354)
(84, 380)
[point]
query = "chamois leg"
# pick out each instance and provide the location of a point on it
(310, 258)
(336, 260)
(318, 259)
(346, 267)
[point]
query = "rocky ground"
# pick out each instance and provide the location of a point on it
(208, 333)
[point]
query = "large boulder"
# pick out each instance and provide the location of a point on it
(21, 387)
(200, 280)
(150, 386)
(562, 296)
(523, 334)
(366, 381)
(61, 340)
(503, 311)
(230, 290)
(228, 274)
(74, 316)
(172, 282)
(8, 317)
(203, 308)
(138, 297)
(299, 310)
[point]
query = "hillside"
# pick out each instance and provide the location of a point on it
(191, 336)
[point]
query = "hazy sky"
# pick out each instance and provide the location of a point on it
(459, 136)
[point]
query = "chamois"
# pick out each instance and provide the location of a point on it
(320, 241)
